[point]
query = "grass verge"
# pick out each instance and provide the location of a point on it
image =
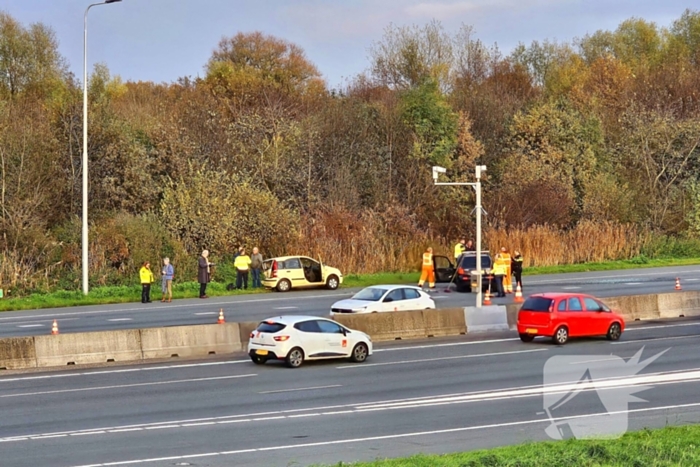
(671, 446)
(127, 294)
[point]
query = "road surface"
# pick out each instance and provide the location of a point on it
(318, 302)
(430, 396)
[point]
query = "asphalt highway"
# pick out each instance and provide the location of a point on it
(429, 396)
(318, 302)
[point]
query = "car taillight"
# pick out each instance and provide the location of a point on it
(252, 335)
(274, 269)
(281, 338)
(460, 271)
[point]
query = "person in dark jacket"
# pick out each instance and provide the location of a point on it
(256, 261)
(204, 273)
(516, 266)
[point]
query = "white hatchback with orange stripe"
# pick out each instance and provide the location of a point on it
(296, 339)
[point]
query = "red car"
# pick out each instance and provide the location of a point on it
(564, 315)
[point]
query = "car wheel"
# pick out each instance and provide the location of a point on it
(258, 360)
(295, 358)
(333, 282)
(614, 332)
(561, 335)
(360, 353)
(527, 337)
(284, 285)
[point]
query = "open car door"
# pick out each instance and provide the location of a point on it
(444, 269)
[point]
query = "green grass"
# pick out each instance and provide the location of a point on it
(126, 294)
(671, 446)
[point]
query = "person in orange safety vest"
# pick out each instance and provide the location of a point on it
(427, 270)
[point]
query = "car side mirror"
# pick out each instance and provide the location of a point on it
(345, 333)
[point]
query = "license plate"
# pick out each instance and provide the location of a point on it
(531, 331)
(261, 352)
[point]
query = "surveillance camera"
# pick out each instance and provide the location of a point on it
(440, 170)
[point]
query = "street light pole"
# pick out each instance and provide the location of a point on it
(477, 187)
(85, 149)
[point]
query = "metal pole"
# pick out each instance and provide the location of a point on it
(85, 265)
(85, 159)
(478, 237)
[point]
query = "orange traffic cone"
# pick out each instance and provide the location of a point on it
(518, 294)
(54, 328)
(487, 298)
(678, 283)
(221, 317)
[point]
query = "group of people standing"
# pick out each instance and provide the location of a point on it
(241, 262)
(147, 278)
(504, 266)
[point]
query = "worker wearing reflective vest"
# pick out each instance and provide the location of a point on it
(427, 270)
(507, 279)
(499, 271)
(460, 248)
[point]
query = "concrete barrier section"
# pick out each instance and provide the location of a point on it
(634, 307)
(675, 304)
(17, 353)
(387, 326)
(245, 329)
(88, 347)
(190, 341)
(447, 322)
(487, 318)
(512, 310)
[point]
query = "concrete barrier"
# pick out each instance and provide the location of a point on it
(387, 326)
(512, 310)
(17, 353)
(676, 304)
(190, 341)
(88, 347)
(635, 307)
(447, 322)
(487, 318)
(245, 329)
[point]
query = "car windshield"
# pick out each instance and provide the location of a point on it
(370, 294)
(537, 304)
(469, 262)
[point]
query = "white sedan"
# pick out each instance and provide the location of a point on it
(383, 298)
(295, 339)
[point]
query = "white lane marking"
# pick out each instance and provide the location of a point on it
(31, 326)
(287, 308)
(25, 321)
(453, 357)
(162, 427)
(122, 386)
(120, 319)
(644, 328)
(127, 370)
(679, 376)
(633, 283)
(170, 306)
(302, 389)
(533, 279)
(692, 280)
(206, 313)
(449, 344)
(88, 433)
(404, 435)
(612, 357)
(571, 288)
(655, 339)
(439, 297)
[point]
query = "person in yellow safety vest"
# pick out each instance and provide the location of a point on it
(460, 248)
(499, 271)
(427, 270)
(507, 279)
(146, 276)
(242, 265)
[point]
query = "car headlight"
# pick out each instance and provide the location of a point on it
(358, 310)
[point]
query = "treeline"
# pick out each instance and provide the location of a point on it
(592, 150)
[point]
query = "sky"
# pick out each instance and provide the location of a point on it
(163, 40)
